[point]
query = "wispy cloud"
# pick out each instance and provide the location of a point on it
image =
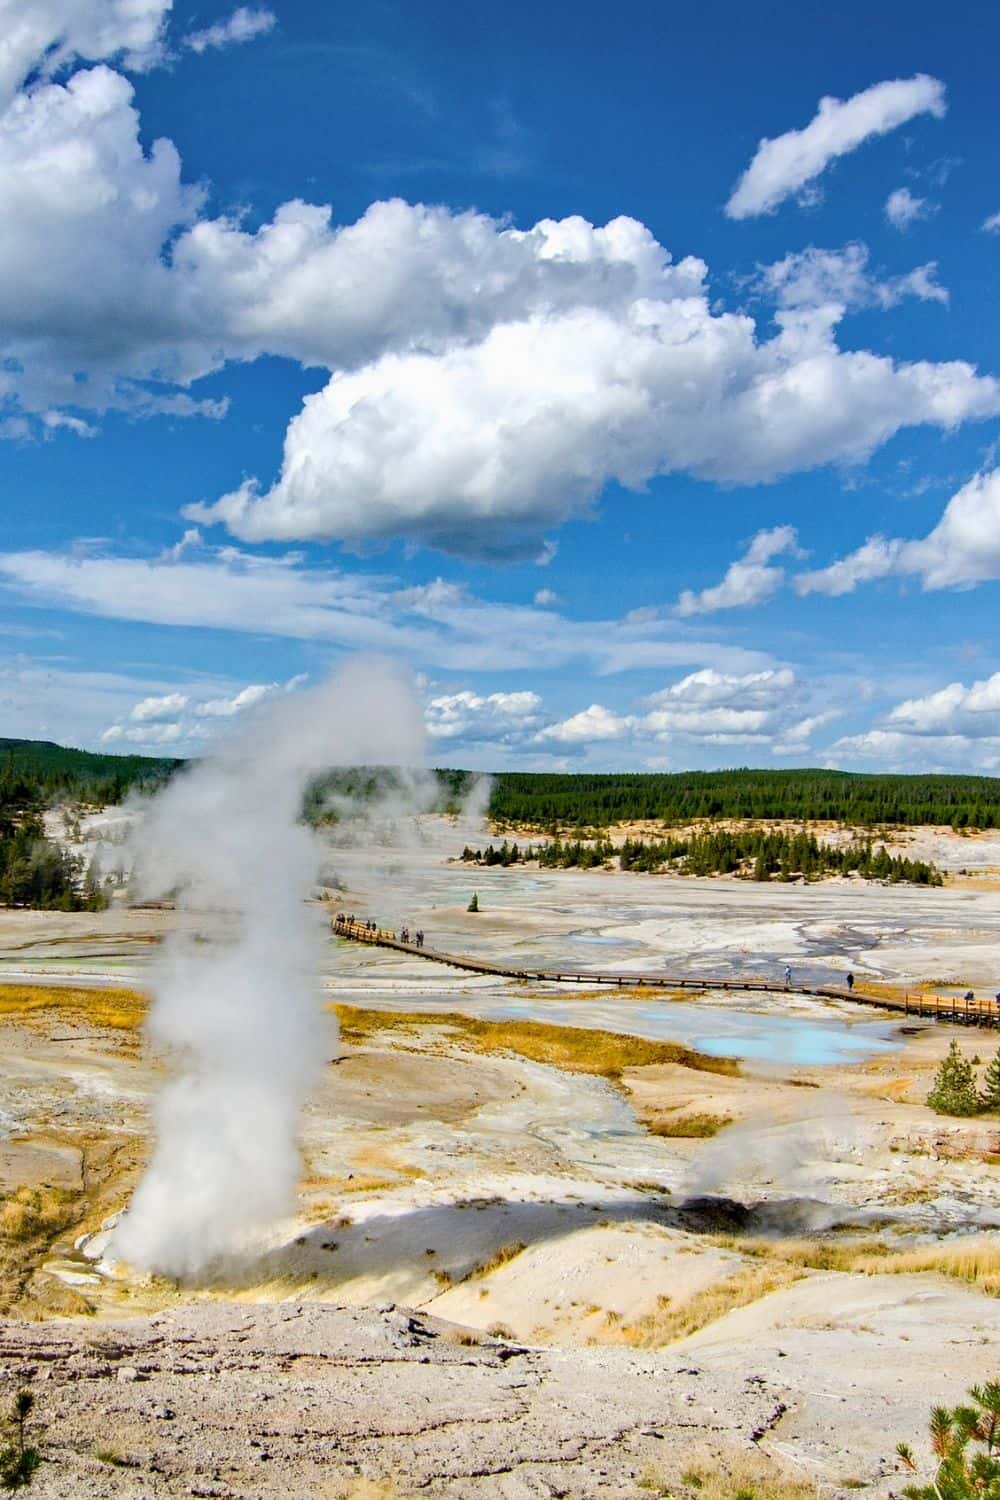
(903, 208)
(439, 624)
(244, 25)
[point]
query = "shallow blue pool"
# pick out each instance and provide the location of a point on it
(721, 1030)
(785, 1039)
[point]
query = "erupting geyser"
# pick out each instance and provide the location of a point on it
(237, 1005)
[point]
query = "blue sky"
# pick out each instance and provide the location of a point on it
(631, 374)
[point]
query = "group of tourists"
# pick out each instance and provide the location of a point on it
(349, 920)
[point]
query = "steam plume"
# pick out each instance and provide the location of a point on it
(236, 994)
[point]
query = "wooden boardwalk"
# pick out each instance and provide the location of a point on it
(951, 1008)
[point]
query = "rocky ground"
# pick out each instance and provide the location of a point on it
(304, 1401)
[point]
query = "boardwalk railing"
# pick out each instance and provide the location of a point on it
(955, 1009)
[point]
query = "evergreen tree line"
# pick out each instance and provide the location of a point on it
(40, 772)
(756, 853)
(568, 800)
(551, 856)
(956, 1090)
(549, 800)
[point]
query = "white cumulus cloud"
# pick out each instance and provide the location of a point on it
(705, 707)
(166, 707)
(468, 715)
(896, 750)
(750, 580)
(794, 738)
(43, 36)
(715, 705)
(477, 450)
(146, 734)
(559, 357)
(226, 708)
(956, 709)
(902, 208)
(173, 718)
(841, 278)
(786, 164)
(84, 212)
(963, 549)
(487, 382)
(953, 728)
(590, 725)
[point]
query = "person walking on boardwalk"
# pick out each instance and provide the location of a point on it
(788, 976)
(850, 983)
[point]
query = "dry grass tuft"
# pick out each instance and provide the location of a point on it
(31, 1218)
(696, 1126)
(974, 1260)
(114, 1458)
(811, 1255)
(604, 1053)
(878, 989)
(500, 1257)
(35, 1213)
(667, 1323)
(721, 1476)
(115, 1009)
(465, 1338)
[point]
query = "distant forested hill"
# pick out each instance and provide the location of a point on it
(55, 772)
(839, 796)
(567, 800)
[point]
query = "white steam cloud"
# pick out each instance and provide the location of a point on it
(237, 1005)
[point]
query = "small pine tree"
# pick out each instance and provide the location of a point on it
(474, 903)
(964, 1445)
(989, 1094)
(18, 1462)
(954, 1091)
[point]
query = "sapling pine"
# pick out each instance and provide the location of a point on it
(989, 1093)
(964, 1444)
(954, 1090)
(18, 1462)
